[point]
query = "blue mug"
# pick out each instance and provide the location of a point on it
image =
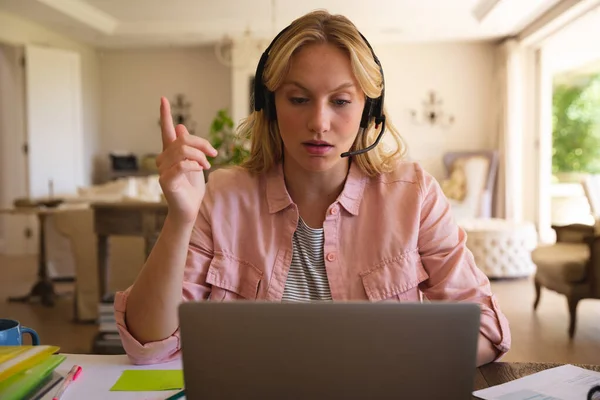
(11, 333)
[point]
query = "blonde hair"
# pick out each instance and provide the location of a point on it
(315, 28)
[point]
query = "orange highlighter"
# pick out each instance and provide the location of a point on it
(71, 376)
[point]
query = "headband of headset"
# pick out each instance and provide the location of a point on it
(264, 99)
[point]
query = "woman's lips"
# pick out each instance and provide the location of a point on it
(317, 148)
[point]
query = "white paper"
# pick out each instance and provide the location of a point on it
(99, 373)
(566, 382)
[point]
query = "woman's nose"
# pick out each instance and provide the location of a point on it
(319, 121)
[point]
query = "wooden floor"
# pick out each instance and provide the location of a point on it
(537, 337)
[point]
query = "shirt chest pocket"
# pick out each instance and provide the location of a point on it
(232, 279)
(397, 279)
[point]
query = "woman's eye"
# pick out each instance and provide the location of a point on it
(298, 100)
(341, 102)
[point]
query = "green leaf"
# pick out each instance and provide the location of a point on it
(576, 127)
(223, 138)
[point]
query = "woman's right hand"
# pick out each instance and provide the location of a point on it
(180, 166)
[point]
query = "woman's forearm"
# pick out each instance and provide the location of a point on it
(152, 303)
(486, 352)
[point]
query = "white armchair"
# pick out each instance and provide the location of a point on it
(591, 187)
(470, 183)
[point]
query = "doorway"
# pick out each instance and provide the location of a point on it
(41, 134)
(575, 141)
(16, 232)
(572, 59)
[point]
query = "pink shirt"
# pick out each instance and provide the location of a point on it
(391, 237)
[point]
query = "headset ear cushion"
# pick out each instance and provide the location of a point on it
(258, 97)
(259, 87)
(377, 108)
(367, 113)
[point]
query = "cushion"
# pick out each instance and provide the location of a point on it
(455, 187)
(476, 172)
(562, 262)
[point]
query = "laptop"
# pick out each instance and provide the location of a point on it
(329, 350)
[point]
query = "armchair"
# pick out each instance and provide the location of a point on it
(478, 169)
(591, 187)
(571, 267)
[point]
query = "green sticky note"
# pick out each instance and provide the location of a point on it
(138, 380)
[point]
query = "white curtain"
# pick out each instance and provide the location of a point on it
(509, 130)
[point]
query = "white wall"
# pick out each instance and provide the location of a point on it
(462, 74)
(245, 61)
(134, 80)
(17, 31)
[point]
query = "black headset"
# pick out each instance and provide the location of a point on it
(265, 99)
(594, 390)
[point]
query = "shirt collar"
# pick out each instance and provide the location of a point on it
(278, 197)
(354, 187)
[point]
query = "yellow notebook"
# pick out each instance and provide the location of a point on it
(14, 359)
(25, 383)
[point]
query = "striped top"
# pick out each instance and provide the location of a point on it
(307, 278)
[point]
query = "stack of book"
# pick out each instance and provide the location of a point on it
(107, 341)
(106, 315)
(27, 372)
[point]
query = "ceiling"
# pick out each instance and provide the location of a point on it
(140, 23)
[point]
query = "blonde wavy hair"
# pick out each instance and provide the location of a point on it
(320, 27)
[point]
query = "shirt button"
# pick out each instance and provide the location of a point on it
(334, 210)
(331, 257)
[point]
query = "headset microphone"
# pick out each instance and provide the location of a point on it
(372, 146)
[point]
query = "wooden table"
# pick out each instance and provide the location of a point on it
(500, 372)
(104, 370)
(127, 219)
(121, 219)
(43, 289)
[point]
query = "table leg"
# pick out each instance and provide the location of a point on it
(102, 266)
(43, 288)
(104, 342)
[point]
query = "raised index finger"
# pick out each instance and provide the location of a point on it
(166, 123)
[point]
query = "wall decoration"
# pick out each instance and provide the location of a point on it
(180, 111)
(432, 113)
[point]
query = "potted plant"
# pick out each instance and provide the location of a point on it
(232, 149)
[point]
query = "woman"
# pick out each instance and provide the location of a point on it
(300, 221)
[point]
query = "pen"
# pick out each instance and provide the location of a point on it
(71, 376)
(177, 395)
